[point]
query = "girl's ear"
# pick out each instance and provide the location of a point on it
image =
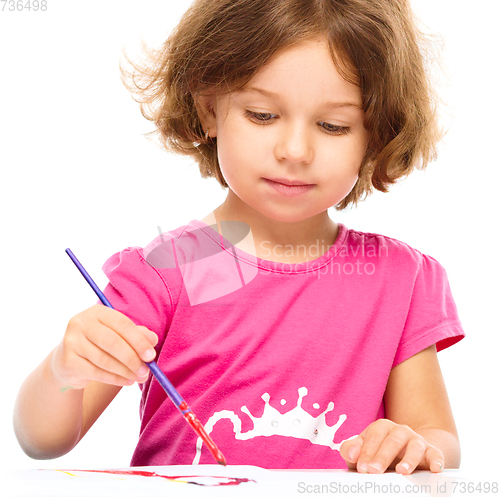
(205, 106)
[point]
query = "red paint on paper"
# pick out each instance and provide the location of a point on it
(230, 480)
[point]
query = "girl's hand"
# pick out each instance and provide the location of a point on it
(383, 443)
(104, 345)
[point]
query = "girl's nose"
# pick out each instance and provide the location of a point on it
(294, 144)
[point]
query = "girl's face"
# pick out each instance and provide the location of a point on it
(297, 120)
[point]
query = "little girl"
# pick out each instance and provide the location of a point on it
(298, 342)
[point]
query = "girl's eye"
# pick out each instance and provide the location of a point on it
(261, 117)
(334, 129)
(266, 118)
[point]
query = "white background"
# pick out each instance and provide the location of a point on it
(76, 171)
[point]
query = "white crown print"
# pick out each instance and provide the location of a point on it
(295, 423)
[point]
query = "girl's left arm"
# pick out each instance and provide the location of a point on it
(419, 432)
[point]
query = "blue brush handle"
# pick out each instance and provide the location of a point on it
(170, 390)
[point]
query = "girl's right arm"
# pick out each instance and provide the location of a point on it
(102, 350)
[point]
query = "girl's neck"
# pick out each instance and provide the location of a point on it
(285, 242)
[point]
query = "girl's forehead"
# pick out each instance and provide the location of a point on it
(307, 67)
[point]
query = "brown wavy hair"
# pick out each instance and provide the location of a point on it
(219, 45)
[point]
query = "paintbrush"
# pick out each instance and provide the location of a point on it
(170, 390)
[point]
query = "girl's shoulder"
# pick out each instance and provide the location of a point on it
(386, 248)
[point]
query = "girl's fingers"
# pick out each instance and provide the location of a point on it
(386, 442)
(350, 450)
(104, 345)
(111, 348)
(128, 331)
(115, 334)
(76, 371)
(418, 453)
(383, 442)
(413, 456)
(94, 373)
(80, 352)
(434, 459)
(151, 336)
(399, 439)
(373, 438)
(100, 366)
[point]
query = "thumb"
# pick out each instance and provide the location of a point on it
(350, 450)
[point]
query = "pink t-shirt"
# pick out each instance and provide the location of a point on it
(280, 362)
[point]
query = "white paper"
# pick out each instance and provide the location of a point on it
(212, 480)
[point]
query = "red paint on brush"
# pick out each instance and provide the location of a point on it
(191, 418)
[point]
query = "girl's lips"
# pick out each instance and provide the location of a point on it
(287, 190)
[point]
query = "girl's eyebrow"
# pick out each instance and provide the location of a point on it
(277, 97)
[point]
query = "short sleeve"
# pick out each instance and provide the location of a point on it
(432, 314)
(139, 291)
